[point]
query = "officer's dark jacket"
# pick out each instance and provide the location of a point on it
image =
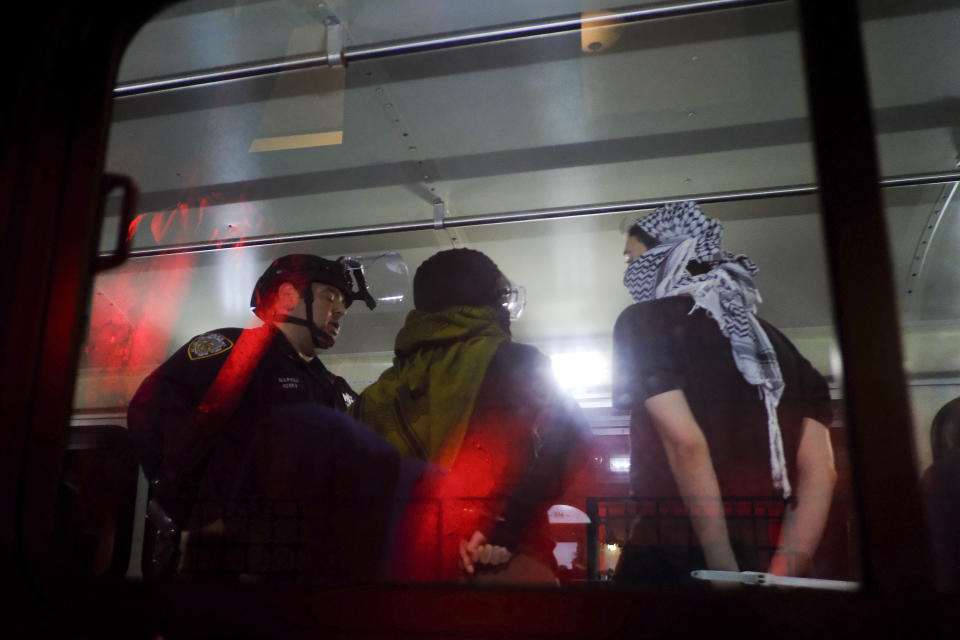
(193, 420)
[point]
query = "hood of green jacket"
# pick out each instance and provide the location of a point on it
(423, 403)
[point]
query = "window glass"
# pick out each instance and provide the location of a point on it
(540, 153)
(913, 90)
(201, 34)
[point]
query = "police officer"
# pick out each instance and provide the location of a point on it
(197, 420)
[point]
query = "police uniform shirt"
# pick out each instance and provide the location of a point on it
(181, 433)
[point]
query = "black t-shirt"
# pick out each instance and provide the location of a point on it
(661, 346)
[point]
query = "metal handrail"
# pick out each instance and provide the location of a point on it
(918, 179)
(501, 33)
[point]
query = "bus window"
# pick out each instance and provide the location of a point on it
(250, 141)
(913, 100)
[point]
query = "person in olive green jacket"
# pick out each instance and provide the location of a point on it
(487, 415)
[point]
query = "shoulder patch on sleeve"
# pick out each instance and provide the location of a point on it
(209, 344)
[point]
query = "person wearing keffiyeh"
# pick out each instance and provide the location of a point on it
(721, 401)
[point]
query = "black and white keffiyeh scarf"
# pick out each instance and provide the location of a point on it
(727, 293)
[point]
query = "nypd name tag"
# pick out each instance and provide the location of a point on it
(289, 382)
(209, 344)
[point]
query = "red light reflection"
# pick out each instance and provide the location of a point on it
(223, 396)
(136, 308)
(132, 317)
(449, 506)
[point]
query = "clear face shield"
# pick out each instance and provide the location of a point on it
(381, 278)
(514, 299)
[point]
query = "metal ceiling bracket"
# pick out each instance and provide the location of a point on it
(444, 233)
(914, 290)
(439, 213)
(334, 42)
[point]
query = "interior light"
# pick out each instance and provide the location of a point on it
(597, 34)
(302, 141)
(594, 401)
(620, 464)
(579, 370)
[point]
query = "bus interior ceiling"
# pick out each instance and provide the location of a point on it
(434, 141)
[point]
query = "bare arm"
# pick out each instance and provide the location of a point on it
(803, 524)
(689, 458)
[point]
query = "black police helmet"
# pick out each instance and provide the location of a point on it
(302, 269)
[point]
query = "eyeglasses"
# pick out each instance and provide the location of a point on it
(514, 299)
